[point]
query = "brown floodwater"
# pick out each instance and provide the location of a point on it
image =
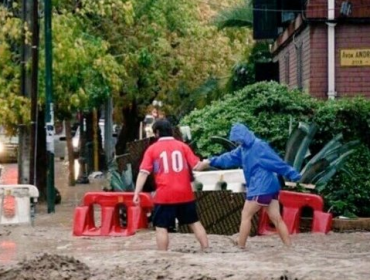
(48, 250)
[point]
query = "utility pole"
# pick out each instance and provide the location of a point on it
(26, 82)
(34, 90)
(49, 116)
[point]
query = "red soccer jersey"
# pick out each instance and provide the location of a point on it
(171, 162)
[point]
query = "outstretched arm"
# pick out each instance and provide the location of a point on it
(269, 160)
(227, 160)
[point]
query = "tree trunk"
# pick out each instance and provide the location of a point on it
(89, 142)
(108, 132)
(130, 128)
(95, 141)
(71, 158)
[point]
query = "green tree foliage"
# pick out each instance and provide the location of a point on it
(85, 73)
(168, 51)
(133, 50)
(241, 17)
(13, 107)
(243, 72)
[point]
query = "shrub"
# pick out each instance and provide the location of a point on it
(348, 193)
(266, 108)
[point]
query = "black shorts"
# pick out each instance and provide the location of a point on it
(164, 215)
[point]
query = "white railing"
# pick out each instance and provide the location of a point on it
(211, 180)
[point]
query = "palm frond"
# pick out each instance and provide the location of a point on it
(315, 169)
(294, 142)
(330, 146)
(334, 154)
(326, 176)
(348, 171)
(336, 165)
(303, 148)
(240, 16)
(332, 151)
(226, 144)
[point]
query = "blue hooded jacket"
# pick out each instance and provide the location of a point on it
(259, 162)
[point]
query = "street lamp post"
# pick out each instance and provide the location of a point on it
(49, 115)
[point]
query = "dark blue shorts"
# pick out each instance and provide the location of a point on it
(265, 199)
(164, 215)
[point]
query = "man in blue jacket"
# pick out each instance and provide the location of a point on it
(260, 167)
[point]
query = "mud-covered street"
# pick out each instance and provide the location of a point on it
(48, 250)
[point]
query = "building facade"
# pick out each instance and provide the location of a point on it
(325, 49)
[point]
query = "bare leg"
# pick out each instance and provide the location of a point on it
(250, 208)
(162, 238)
(200, 234)
(273, 211)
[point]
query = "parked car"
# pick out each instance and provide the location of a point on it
(60, 141)
(9, 145)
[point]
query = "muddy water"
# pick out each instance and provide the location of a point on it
(334, 256)
(49, 251)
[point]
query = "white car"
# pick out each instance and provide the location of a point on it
(9, 145)
(60, 141)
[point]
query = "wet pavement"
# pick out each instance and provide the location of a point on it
(48, 250)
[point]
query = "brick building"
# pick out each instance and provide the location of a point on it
(323, 47)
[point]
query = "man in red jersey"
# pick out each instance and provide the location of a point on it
(171, 161)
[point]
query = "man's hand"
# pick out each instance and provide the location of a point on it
(202, 165)
(136, 199)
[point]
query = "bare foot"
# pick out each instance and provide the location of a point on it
(206, 250)
(233, 241)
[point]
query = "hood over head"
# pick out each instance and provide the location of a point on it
(241, 134)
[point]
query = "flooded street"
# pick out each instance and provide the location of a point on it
(48, 250)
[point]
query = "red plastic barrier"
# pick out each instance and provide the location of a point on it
(110, 202)
(292, 203)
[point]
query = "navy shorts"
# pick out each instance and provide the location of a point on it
(164, 215)
(265, 199)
